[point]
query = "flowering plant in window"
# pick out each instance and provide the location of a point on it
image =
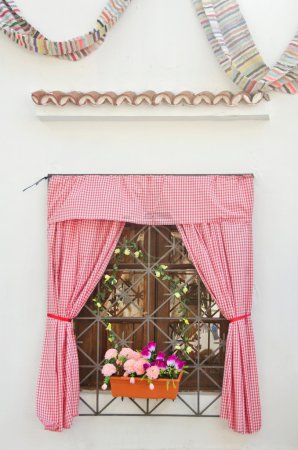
(147, 364)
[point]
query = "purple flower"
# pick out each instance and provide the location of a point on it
(146, 353)
(160, 356)
(146, 366)
(151, 346)
(179, 364)
(171, 361)
(161, 364)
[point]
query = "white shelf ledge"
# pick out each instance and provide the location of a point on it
(258, 112)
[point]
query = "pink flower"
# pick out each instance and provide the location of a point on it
(127, 353)
(104, 387)
(108, 370)
(151, 346)
(160, 356)
(161, 364)
(151, 386)
(171, 361)
(129, 366)
(139, 366)
(111, 353)
(146, 353)
(152, 372)
(136, 356)
(179, 364)
(132, 380)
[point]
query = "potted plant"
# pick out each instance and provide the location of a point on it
(145, 374)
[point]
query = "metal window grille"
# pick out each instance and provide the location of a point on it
(143, 308)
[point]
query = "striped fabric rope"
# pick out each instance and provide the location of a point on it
(25, 35)
(222, 21)
(236, 52)
(284, 75)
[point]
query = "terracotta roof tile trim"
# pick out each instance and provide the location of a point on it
(59, 98)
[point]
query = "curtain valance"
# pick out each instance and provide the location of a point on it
(151, 200)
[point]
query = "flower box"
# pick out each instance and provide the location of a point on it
(163, 387)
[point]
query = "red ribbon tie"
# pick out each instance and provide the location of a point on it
(235, 319)
(62, 319)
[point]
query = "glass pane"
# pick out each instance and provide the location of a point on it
(169, 246)
(129, 296)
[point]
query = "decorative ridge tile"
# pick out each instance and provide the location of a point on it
(151, 98)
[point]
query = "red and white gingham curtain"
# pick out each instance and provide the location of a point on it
(86, 215)
(222, 255)
(78, 253)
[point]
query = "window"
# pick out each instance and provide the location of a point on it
(143, 308)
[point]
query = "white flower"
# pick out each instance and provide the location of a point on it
(127, 251)
(151, 386)
(137, 254)
(117, 251)
(104, 387)
(177, 347)
(177, 294)
(185, 290)
(98, 304)
(107, 277)
(157, 273)
(188, 349)
(163, 267)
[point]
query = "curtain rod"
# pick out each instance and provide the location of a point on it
(47, 177)
(152, 174)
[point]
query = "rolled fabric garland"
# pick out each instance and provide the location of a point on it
(284, 74)
(236, 52)
(222, 21)
(231, 41)
(24, 34)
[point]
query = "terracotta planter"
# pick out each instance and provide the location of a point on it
(163, 388)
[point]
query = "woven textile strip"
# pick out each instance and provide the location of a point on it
(78, 253)
(222, 21)
(236, 52)
(24, 34)
(222, 255)
(86, 215)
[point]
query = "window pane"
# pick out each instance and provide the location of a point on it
(142, 307)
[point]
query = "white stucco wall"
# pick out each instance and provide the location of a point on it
(157, 45)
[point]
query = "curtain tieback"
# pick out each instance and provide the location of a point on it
(235, 319)
(62, 319)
